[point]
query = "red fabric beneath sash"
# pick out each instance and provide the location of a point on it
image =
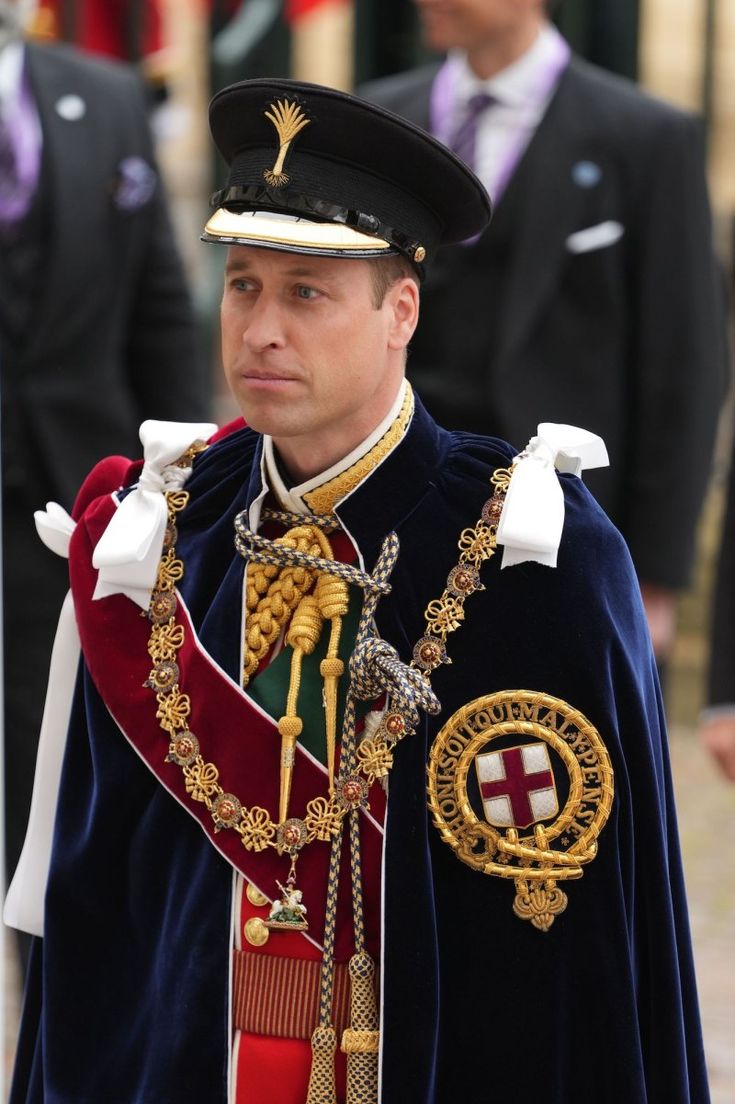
(241, 740)
(272, 1070)
(276, 1071)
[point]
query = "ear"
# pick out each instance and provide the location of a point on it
(402, 299)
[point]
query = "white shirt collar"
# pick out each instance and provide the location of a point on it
(11, 72)
(518, 84)
(293, 498)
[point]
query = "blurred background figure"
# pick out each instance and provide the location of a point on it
(717, 726)
(127, 30)
(96, 330)
(594, 296)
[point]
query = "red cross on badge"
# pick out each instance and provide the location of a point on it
(517, 786)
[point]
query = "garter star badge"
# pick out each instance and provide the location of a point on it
(520, 786)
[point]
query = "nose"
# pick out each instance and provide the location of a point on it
(264, 328)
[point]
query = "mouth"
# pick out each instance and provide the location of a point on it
(266, 381)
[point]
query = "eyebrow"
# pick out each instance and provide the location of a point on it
(296, 270)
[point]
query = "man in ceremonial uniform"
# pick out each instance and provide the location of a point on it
(346, 811)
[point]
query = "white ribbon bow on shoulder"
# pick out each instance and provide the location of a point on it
(532, 520)
(128, 552)
(127, 557)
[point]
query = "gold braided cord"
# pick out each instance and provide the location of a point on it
(303, 636)
(273, 595)
(443, 616)
(329, 602)
(322, 1086)
(361, 1040)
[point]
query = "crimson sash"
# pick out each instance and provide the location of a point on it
(234, 733)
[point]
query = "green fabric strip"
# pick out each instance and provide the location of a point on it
(269, 688)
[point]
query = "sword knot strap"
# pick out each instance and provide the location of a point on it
(375, 668)
(360, 1042)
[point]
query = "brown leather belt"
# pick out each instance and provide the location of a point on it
(280, 996)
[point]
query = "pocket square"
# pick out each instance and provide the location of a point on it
(135, 183)
(595, 237)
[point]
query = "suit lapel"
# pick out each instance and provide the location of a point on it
(544, 204)
(417, 103)
(67, 179)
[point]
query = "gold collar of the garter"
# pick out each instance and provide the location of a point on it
(323, 499)
(375, 669)
(322, 493)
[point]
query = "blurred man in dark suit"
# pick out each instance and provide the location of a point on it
(717, 726)
(96, 330)
(594, 295)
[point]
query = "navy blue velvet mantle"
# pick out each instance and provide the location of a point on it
(128, 996)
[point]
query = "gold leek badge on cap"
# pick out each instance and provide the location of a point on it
(288, 119)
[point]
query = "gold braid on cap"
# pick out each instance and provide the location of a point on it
(288, 119)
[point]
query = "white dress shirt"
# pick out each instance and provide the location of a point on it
(521, 93)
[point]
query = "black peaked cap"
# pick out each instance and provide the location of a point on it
(346, 162)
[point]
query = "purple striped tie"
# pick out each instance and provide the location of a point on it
(20, 158)
(462, 142)
(8, 164)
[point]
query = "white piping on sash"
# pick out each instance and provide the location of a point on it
(381, 976)
(24, 904)
(233, 1037)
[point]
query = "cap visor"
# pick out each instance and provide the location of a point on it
(291, 234)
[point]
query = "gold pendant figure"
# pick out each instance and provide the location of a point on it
(288, 914)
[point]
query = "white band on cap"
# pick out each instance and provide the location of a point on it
(290, 230)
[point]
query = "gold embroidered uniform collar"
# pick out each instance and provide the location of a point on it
(321, 493)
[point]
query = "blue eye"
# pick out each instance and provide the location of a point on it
(304, 292)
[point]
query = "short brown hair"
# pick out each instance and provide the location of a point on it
(385, 271)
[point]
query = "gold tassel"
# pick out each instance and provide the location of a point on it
(322, 1087)
(360, 1042)
(273, 594)
(333, 597)
(303, 636)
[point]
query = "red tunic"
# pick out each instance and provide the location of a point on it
(275, 1068)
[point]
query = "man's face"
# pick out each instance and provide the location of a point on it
(467, 24)
(14, 14)
(308, 357)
